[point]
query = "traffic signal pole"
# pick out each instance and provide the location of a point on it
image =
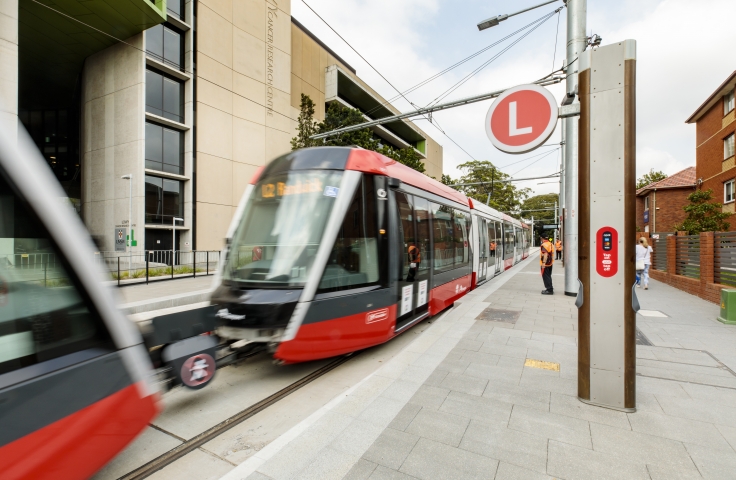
(576, 43)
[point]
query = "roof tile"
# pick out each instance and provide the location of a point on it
(683, 178)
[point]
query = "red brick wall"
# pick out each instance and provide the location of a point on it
(709, 124)
(670, 202)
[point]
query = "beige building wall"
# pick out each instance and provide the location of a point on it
(309, 62)
(113, 139)
(244, 116)
(9, 67)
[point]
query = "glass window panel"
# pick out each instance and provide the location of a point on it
(442, 232)
(172, 147)
(175, 7)
(172, 100)
(172, 47)
(154, 143)
(173, 201)
(353, 262)
(728, 146)
(421, 212)
(406, 231)
(462, 245)
(154, 94)
(154, 199)
(44, 313)
(155, 41)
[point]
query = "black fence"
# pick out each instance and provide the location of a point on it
(133, 268)
(660, 252)
(687, 261)
(724, 258)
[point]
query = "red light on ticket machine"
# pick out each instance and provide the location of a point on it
(606, 256)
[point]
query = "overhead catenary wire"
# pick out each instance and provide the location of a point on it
(457, 64)
(462, 81)
(535, 161)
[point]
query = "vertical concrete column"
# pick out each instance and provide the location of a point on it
(9, 67)
(707, 264)
(672, 255)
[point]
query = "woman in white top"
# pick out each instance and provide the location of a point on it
(643, 254)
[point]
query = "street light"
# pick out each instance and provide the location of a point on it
(493, 21)
(130, 221)
(173, 241)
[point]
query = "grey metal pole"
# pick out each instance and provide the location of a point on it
(561, 213)
(576, 43)
(555, 231)
(173, 244)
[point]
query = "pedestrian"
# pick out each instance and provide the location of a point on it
(558, 249)
(639, 262)
(414, 259)
(645, 251)
(545, 261)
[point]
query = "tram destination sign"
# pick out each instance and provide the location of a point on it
(522, 118)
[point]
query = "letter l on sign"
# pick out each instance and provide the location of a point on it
(513, 130)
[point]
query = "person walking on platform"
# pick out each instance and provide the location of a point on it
(545, 261)
(558, 249)
(644, 259)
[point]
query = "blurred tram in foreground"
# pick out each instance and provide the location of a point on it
(333, 250)
(75, 378)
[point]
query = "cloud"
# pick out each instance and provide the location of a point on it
(648, 158)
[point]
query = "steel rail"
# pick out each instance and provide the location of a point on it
(425, 110)
(197, 441)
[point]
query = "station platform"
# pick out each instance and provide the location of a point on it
(164, 295)
(458, 401)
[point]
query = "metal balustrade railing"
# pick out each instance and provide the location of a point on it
(724, 258)
(153, 265)
(687, 260)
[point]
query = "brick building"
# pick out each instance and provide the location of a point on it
(659, 204)
(715, 127)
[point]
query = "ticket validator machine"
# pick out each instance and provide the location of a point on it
(606, 204)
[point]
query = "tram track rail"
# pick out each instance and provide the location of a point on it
(213, 432)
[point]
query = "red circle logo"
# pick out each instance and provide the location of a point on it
(198, 370)
(522, 118)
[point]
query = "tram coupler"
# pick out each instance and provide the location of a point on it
(192, 360)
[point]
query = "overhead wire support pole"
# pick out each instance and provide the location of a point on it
(423, 111)
(577, 41)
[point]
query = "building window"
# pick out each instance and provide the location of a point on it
(164, 200)
(728, 146)
(165, 45)
(728, 191)
(164, 149)
(728, 103)
(164, 96)
(646, 203)
(175, 8)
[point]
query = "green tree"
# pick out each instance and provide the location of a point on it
(306, 126)
(650, 177)
(339, 116)
(504, 196)
(448, 180)
(541, 207)
(702, 215)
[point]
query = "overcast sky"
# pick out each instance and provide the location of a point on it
(684, 50)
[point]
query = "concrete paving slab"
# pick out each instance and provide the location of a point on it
(479, 408)
(362, 470)
(464, 383)
(713, 464)
(391, 448)
(383, 473)
(507, 471)
(430, 460)
(572, 407)
(576, 463)
(680, 429)
(501, 443)
(439, 426)
(551, 425)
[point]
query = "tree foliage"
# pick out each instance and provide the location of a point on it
(702, 215)
(541, 207)
(504, 196)
(650, 177)
(339, 116)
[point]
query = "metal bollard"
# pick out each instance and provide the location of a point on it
(208, 263)
(118, 271)
(194, 263)
(147, 258)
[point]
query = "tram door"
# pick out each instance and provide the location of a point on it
(482, 249)
(497, 245)
(414, 266)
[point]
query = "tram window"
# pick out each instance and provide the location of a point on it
(421, 212)
(354, 259)
(462, 242)
(43, 315)
(442, 233)
(407, 238)
(282, 227)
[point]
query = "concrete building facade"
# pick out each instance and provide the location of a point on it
(188, 97)
(715, 161)
(659, 205)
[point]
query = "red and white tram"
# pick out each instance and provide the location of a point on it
(333, 250)
(75, 378)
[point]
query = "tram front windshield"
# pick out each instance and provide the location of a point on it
(277, 241)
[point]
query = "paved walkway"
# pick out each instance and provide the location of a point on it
(458, 402)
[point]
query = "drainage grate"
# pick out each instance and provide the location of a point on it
(642, 339)
(496, 315)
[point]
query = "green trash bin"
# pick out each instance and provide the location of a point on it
(728, 307)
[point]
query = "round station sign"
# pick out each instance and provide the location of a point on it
(521, 119)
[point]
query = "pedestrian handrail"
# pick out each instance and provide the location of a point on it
(724, 258)
(688, 256)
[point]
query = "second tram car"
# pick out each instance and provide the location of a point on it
(334, 250)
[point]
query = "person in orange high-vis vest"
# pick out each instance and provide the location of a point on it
(558, 248)
(415, 258)
(546, 259)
